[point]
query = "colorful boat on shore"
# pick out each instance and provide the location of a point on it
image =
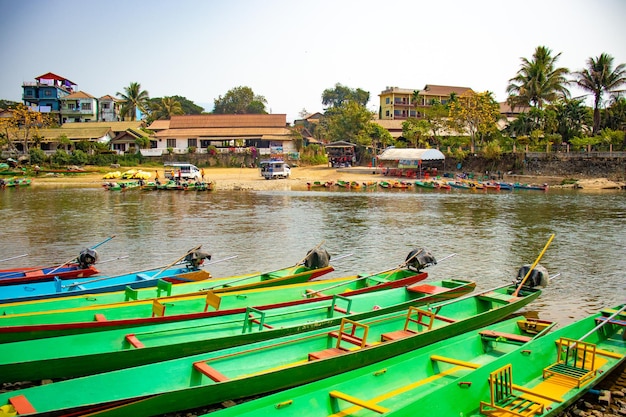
(535, 187)
(75, 355)
(40, 273)
(198, 283)
(193, 306)
(277, 363)
(79, 286)
(387, 386)
(15, 182)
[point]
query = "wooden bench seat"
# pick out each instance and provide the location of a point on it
(396, 335)
(99, 317)
(511, 337)
(505, 399)
(612, 321)
(209, 371)
(347, 333)
(426, 288)
(132, 339)
(21, 405)
(326, 353)
(421, 318)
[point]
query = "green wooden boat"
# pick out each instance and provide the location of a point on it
(273, 364)
(81, 354)
(448, 380)
(193, 306)
(289, 275)
(386, 386)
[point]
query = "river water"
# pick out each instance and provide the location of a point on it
(491, 234)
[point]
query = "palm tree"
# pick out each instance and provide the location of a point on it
(600, 77)
(135, 98)
(538, 80)
(165, 109)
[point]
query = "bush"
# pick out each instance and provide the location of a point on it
(79, 157)
(37, 156)
(60, 157)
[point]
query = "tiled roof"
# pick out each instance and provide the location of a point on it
(109, 97)
(228, 120)
(86, 132)
(224, 132)
(159, 125)
(115, 126)
(52, 76)
(78, 94)
(442, 90)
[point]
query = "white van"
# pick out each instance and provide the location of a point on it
(187, 171)
(274, 169)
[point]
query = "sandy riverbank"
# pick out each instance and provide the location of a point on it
(250, 179)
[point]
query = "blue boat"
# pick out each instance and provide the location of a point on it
(57, 287)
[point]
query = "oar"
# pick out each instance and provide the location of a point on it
(114, 259)
(152, 277)
(611, 317)
(533, 266)
(480, 293)
(221, 260)
(245, 277)
(92, 247)
(13, 257)
(391, 271)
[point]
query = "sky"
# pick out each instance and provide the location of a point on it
(290, 51)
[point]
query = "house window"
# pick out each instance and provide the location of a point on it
(192, 142)
(47, 93)
(204, 143)
(171, 143)
(86, 106)
(387, 100)
(105, 106)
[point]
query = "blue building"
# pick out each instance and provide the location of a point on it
(45, 94)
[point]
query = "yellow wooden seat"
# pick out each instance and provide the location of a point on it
(504, 399)
(347, 333)
(423, 319)
(575, 360)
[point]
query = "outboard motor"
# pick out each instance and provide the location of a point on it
(539, 277)
(419, 259)
(87, 257)
(317, 258)
(196, 258)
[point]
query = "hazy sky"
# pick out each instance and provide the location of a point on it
(291, 51)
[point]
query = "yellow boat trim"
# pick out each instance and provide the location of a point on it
(400, 390)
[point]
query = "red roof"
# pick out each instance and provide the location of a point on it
(52, 76)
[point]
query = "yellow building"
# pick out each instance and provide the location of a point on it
(402, 103)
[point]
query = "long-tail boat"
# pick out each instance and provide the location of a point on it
(79, 354)
(187, 306)
(387, 386)
(41, 273)
(199, 282)
(277, 363)
(149, 284)
(541, 377)
(92, 285)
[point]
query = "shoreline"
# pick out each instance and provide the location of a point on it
(249, 179)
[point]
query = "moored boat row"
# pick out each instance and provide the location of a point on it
(388, 343)
(434, 184)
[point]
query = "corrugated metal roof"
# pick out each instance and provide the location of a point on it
(409, 154)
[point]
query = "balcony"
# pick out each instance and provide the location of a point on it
(402, 103)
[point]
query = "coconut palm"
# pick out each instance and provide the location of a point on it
(134, 98)
(165, 109)
(600, 77)
(538, 80)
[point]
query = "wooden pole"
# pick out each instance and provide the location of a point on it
(533, 266)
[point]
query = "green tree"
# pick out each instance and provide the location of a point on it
(598, 78)
(615, 114)
(240, 100)
(475, 113)
(538, 80)
(134, 98)
(348, 122)
(340, 94)
(571, 117)
(416, 132)
(164, 109)
(381, 138)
